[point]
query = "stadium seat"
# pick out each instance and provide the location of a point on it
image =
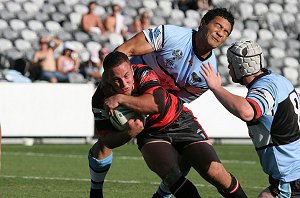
(6, 15)
(48, 8)
(251, 24)
(52, 26)
(150, 4)
(75, 18)
(291, 62)
(158, 20)
(99, 11)
(275, 62)
(81, 36)
(276, 8)
(115, 39)
(5, 44)
(173, 21)
(63, 8)
(292, 74)
(245, 10)
(10, 34)
(84, 55)
(166, 6)
(22, 45)
(249, 34)
(122, 3)
(28, 35)
(71, 2)
(35, 25)
(105, 3)
(3, 24)
(280, 35)
(42, 17)
(278, 44)
(193, 14)
(12, 6)
(160, 12)
(78, 45)
(80, 9)
(235, 34)
(64, 36)
(291, 8)
(177, 14)
(265, 34)
(128, 20)
(93, 46)
(277, 53)
(38, 3)
(260, 9)
(13, 54)
(58, 17)
(191, 23)
(288, 18)
(128, 11)
(30, 7)
(135, 4)
(24, 16)
(17, 24)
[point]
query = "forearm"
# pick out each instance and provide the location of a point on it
(144, 104)
(235, 104)
(135, 46)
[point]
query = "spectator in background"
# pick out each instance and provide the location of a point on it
(43, 65)
(185, 5)
(92, 69)
(68, 63)
(90, 22)
(17, 72)
(140, 23)
(114, 23)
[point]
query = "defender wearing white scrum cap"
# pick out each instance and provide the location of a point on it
(271, 110)
(246, 58)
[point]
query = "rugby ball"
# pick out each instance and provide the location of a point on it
(120, 117)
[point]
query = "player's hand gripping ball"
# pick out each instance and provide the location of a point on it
(121, 115)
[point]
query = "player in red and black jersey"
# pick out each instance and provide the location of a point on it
(171, 133)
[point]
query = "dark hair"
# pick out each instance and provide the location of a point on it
(114, 59)
(92, 2)
(222, 12)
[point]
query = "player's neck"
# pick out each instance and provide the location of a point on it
(201, 49)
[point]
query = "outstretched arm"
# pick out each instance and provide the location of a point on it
(235, 104)
(137, 45)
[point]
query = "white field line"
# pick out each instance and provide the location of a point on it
(109, 181)
(116, 157)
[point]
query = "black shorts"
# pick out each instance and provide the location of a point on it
(182, 132)
(288, 189)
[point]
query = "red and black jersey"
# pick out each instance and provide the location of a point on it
(145, 81)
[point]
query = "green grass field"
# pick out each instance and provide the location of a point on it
(62, 171)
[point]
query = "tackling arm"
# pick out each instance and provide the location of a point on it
(135, 46)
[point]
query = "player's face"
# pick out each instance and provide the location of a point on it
(121, 78)
(218, 31)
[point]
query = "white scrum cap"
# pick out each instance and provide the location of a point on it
(246, 58)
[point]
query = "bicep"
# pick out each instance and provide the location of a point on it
(137, 45)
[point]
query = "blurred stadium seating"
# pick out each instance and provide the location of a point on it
(274, 24)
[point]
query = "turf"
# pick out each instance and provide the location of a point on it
(62, 171)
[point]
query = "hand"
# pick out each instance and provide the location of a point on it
(111, 103)
(213, 80)
(135, 127)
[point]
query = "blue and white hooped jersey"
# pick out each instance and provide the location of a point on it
(175, 61)
(275, 130)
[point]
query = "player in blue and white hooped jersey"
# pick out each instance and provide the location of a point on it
(271, 110)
